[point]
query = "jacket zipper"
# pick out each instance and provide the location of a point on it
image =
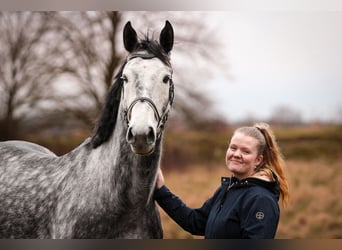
(230, 185)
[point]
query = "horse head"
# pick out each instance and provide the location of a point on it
(144, 88)
(147, 87)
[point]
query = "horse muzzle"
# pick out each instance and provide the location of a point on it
(144, 125)
(141, 140)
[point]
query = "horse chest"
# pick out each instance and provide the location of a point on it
(124, 223)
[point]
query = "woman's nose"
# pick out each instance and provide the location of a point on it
(237, 153)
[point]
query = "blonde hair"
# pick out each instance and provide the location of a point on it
(273, 160)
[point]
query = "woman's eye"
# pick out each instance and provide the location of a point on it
(166, 79)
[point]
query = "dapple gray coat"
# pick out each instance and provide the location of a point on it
(101, 189)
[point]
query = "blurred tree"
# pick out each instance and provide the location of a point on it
(196, 55)
(59, 65)
(43, 55)
(94, 57)
(31, 59)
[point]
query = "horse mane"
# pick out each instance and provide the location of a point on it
(105, 126)
(107, 119)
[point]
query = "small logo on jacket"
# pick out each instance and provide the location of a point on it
(259, 215)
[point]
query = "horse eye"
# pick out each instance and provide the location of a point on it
(166, 79)
(124, 78)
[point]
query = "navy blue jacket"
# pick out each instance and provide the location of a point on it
(238, 209)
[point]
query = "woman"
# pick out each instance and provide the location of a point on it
(245, 205)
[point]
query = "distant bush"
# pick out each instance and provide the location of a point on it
(309, 143)
(60, 144)
(182, 148)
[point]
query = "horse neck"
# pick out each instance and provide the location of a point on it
(125, 172)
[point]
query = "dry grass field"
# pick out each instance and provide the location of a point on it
(315, 210)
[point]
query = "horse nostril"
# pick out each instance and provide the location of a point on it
(151, 136)
(130, 136)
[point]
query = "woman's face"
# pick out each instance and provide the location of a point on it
(242, 155)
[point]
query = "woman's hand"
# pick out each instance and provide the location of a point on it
(160, 179)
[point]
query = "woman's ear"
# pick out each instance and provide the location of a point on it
(259, 160)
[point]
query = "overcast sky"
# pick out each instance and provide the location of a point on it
(280, 58)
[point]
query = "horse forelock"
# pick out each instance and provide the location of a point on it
(152, 48)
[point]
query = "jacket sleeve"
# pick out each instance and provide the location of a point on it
(260, 217)
(192, 220)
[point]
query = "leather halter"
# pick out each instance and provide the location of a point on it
(160, 118)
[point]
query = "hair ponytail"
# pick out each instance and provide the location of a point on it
(274, 160)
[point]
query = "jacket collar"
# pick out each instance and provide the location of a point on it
(234, 183)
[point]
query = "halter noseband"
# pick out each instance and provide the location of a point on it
(160, 118)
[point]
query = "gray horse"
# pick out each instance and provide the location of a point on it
(104, 187)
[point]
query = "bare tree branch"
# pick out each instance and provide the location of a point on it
(39, 49)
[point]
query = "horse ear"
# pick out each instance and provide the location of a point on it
(130, 37)
(166, 37)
